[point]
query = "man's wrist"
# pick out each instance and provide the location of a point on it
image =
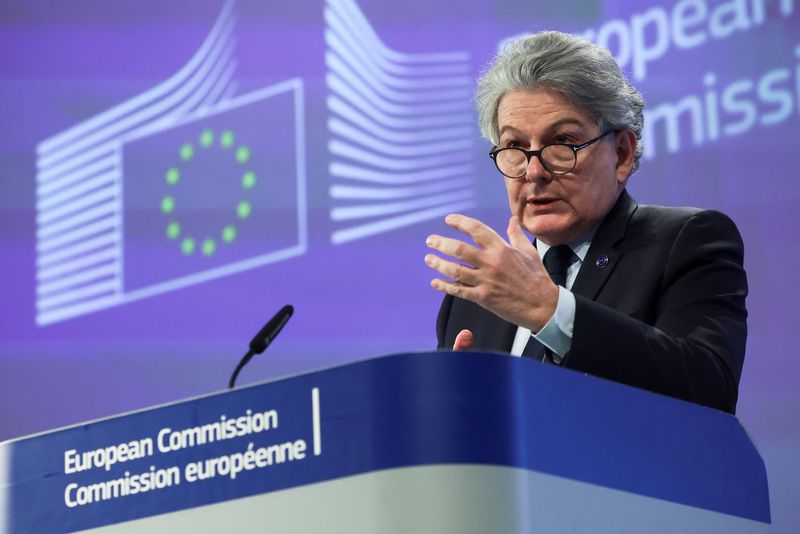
(556, 334)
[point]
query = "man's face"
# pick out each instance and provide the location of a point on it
(560, 208)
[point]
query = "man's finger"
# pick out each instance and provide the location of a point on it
(454, 288)
(458, 272)
(482, 235)
(454, 248)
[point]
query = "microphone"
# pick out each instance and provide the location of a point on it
(263, 339)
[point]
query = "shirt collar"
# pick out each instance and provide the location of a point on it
(579, 246)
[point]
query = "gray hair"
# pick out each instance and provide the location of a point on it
(584, 73)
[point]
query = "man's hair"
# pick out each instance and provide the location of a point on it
(575, 68)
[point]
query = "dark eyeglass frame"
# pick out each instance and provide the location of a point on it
(538, 153)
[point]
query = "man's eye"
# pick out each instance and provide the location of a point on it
(513, 144)
(563, 139)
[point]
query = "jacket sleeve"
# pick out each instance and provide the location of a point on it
(441, 323)
(695, 347)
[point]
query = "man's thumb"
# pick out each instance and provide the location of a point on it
(517, 237)
(463, 340)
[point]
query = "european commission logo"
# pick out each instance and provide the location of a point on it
(186, 183)
(180, 185)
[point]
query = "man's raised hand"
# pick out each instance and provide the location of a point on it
(506, 278)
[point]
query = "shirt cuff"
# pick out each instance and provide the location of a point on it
(556, 335)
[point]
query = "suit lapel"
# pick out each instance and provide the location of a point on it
(603, 255)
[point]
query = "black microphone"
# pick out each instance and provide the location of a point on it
(262, 340)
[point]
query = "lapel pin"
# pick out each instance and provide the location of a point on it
(601, 262)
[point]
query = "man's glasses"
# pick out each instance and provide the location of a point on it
(557, 158)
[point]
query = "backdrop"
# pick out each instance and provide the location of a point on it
(174, 172)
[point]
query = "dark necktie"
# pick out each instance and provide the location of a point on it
(556, 262)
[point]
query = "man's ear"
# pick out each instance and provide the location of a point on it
(626, 149)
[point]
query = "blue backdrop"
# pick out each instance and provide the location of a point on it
(172, 173)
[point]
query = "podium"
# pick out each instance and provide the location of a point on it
(423, 442)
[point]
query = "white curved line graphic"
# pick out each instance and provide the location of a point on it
(102, 256)
(90, 184)
(373, 210)
(402, 122)
(77, 294)
(350, 11)
(397, 120)
(83, 202)
(413, 138)
(43, 245)
(358, 154)
(386, 225)
(345, 81)
(360, 43)
(105, 167)
(204, 88)
(344, 170)
(400, 151)
(145, 98)
(186, 91)
(62, 225)
(104, 240)
(53, 178)
(216, 93)
(383, 193)
(83, 277)
(339, 65)
(411, 84)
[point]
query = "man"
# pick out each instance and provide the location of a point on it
(649, 296)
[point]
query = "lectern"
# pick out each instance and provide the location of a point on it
(424, 442)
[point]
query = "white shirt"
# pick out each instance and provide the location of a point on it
(556, 335)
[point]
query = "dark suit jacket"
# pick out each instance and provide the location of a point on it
(667, 313)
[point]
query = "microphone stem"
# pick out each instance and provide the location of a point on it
(242, 363)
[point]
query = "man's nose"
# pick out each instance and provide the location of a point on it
(535, 172)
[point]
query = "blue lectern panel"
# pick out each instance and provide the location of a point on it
(393, 412)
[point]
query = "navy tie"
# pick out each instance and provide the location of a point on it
(556, 262)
